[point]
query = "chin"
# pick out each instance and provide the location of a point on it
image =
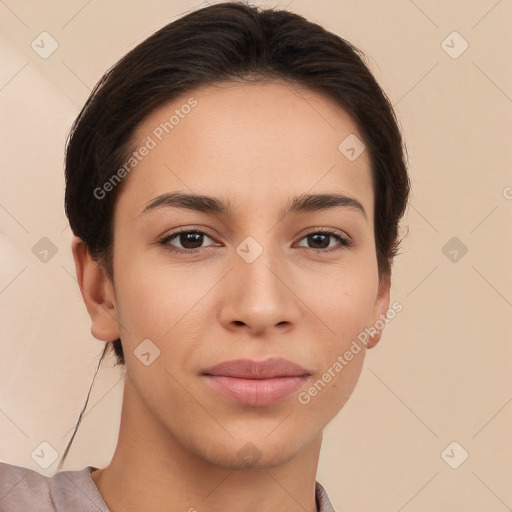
(258, 452)
(249, 463)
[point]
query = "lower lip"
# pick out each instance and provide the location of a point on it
(257, 392)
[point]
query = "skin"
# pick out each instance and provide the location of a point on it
(256, 145)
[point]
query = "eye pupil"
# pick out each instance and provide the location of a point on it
(192, 237)
(315, 239)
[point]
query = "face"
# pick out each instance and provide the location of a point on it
(246, 281)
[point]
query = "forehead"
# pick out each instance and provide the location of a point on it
(256, 141)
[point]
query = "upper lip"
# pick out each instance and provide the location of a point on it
(250, 369)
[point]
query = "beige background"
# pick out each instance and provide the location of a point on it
(442, 370)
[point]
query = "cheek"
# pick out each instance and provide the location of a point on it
(143, 295)
(332, 387)
(159, 303)
(341, 301)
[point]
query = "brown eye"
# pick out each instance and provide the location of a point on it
(320, 241)
(191, 241)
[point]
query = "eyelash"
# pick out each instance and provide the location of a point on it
(344, 242)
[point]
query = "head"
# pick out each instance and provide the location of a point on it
(267, 117)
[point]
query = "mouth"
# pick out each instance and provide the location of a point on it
(257, 383)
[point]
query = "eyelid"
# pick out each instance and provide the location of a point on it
(164, 241)
(345, 242)
(328, 231)
(187, 229)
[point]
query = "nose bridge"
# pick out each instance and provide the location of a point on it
(257, 263)
(258, 295)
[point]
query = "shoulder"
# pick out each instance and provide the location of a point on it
(323, 502)
(22, 488)
(25, 489)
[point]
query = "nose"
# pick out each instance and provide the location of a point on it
(260, 294)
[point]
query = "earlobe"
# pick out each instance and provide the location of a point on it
(97, 293)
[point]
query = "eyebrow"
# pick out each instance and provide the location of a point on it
(296, 204)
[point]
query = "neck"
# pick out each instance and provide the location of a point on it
(152, 470)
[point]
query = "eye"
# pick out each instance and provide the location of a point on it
(190, 241)
(321, 238)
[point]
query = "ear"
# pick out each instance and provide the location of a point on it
(97, 292)
(380, 309)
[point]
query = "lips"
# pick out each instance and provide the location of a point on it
(256, 383)
(250, 369)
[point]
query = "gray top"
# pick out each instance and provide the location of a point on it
(25, 490)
